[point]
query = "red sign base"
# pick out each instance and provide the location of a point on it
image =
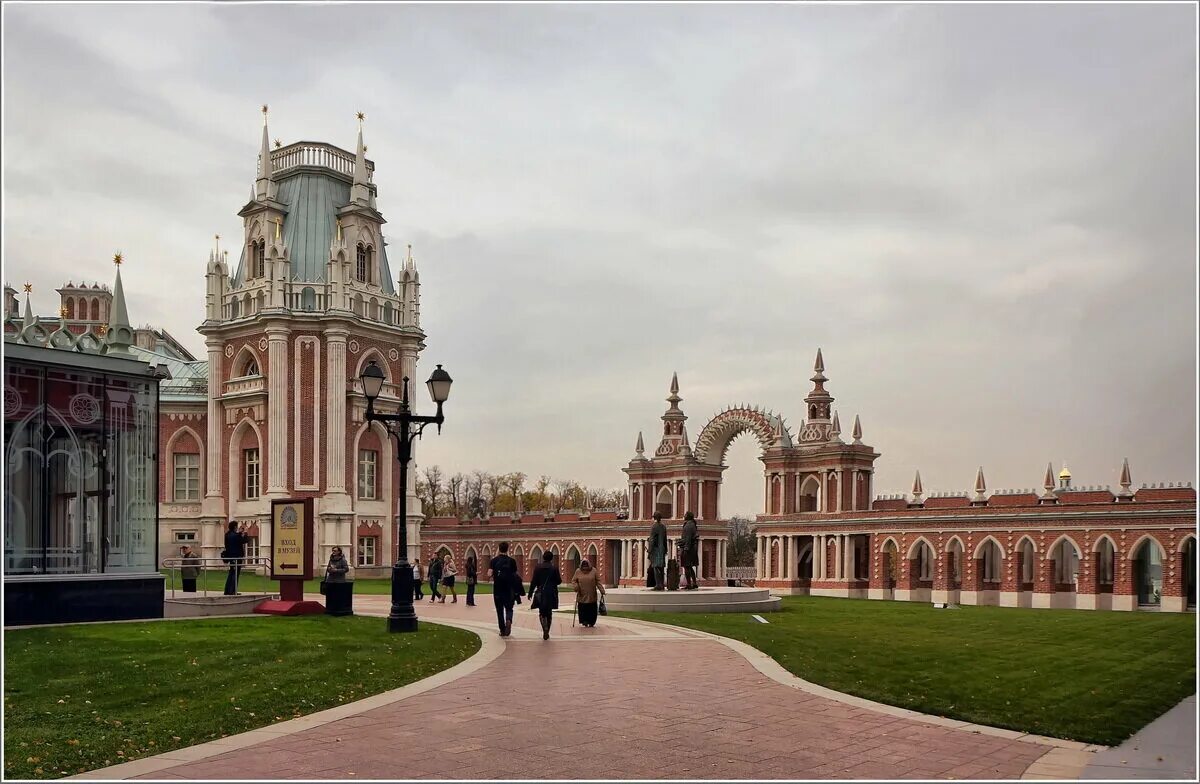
(291, 601)
(286, 607)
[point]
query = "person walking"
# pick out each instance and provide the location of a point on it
(505, 587)
(234, 555)
(417, 580)
(189, 569)
(472, 578)
(434, 573)
(544, 584)
(588, 590)
(448, 574)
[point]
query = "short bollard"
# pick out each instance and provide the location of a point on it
(339, 598)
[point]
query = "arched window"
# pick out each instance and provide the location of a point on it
(70, 307)
(1066, 563)
(1148, 572)
(991, 562)
(955, 553)
(95, 310)
(250, 368)
(1027, 558)
(373, 309)
(358, 305)
(361, 264)
(387, 312)
(924, 562)
(1104, 561)
(810, 493)
(233, 308)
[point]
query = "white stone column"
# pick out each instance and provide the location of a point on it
(214, 494)
(821, 504)
(791, 573)
(335, 420)
(761, 564)
(699, 559)
(854, 491)
(841, 481)
(277, 431)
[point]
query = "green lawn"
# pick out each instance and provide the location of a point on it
(1096, 677)
(254, 583)
(82, 697)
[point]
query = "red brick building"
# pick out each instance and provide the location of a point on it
(824, 532)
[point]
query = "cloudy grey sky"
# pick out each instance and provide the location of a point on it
(984, 215)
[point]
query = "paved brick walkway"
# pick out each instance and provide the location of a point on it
(623, 700)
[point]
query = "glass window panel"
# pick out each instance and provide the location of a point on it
(252, 470)
(74, 464)
(367, 461)
(24, 469)
(132, 519)
(187, 476)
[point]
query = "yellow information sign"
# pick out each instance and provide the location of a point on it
(291, 539)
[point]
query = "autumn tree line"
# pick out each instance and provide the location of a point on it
(480, 494)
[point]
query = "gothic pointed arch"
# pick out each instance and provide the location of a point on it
(246, 363)
(238, 442)
(202, 461)
(979, 548)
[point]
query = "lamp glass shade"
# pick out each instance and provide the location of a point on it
(439, 385)
(372, 380)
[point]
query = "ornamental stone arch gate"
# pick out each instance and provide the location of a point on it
(813, 471)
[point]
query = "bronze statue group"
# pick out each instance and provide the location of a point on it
(689, 556)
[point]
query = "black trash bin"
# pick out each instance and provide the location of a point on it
(339, 598)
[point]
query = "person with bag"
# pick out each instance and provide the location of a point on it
(448, 574)
(588, 593)
(543, 591)
(506, 588)
(418, 578)
(234, 554)
(434, 573)
(472, 578)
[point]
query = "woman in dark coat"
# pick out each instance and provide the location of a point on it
(472, 578)
(235, 552)
(545, 581)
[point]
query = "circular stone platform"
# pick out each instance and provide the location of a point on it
(702, 600)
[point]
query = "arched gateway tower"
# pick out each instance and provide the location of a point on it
(815, 472)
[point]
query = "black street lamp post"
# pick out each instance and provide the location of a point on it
(403, 618)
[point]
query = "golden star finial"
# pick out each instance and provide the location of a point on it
(63, 311)
(278, 144)
(364, 148)
(118, 258)
(28, 287)
(360, 117)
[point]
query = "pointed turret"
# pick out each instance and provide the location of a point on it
(119, 335)
(673, 419)
(818, 406)
(980, 488)
(685, 448)
(857, 430)
(1048, 496)
(265, 185)
(27, 316)
(640, 448)
(918, 491)
(1126, 482)
(835, 430)
(360, 193)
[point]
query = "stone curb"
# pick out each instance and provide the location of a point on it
(1065, 758)
(490, 649)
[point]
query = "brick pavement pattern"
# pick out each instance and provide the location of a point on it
(630, 702)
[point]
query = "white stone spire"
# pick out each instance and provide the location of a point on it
(641, 447)
(835, 432)
(918, 491)
(980, 487)
(1049, 496)
(360, 193)
(1126, 481)
(857, 430)
(265, 185)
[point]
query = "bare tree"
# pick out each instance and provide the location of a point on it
(433, 482)
(516, 483)
(454, 489)
(494, 483)
(742, 546)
